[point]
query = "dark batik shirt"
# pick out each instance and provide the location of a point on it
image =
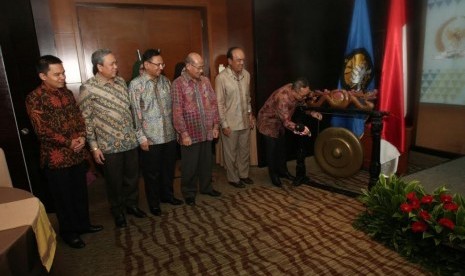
(57, 120)
(276, 113)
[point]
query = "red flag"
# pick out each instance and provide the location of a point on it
(391, 96)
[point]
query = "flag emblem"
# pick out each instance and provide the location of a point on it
(358, 70)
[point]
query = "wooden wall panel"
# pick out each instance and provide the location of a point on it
(65, 44)
(64, 13)
(441, 127)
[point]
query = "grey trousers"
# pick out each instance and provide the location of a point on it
(196, 167)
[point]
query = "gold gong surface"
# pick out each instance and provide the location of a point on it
(338, 152)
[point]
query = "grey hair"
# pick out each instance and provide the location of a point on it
(97, 58)
(300, 83)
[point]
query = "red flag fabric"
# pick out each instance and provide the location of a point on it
(391, 95)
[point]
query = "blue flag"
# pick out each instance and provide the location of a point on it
(358, 70)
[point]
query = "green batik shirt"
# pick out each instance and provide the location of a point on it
(106, 109)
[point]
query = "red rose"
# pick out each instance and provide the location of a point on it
(449, 206)
(419, 227)
(424, 215)
(446, 198)
(427, 199)
(411, 196)
(415, 203)
(445, 222)
(405, 207)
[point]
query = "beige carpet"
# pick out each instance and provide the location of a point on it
(260, 230)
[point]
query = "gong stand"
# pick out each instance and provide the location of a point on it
(376, 119)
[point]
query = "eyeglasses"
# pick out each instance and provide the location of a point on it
(200, 67)
(160, 65)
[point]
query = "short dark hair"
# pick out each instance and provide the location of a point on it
(148, 54)
(299, 83)
(43, 64)
(230, 50)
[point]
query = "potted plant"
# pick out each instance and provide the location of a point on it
(425, 228)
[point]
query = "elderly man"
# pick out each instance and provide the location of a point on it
(61, 131)
(151, 102)
(105, 106)
(232, 87)
(274, 117)
(195, 118)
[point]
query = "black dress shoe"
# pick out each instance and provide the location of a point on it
(238, 184)
(92, 229)
(247, 180)
(155, 211)
(213, 193)
(173, 201)
(74, 242)
(190, 201)
(287, 175)
(276, 181)
(135, 211)
(120, 221)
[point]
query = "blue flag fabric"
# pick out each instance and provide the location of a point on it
(358, 58)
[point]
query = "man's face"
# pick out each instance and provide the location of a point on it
(195, 69)
(109, 68)
(55, 77)
(237, 61)
(154, 66)
(304, 92)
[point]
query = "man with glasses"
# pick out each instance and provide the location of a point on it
(236, 118)
(151, 103)
(105, 106)
(274, 117)
(195, 119)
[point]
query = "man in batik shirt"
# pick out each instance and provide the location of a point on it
(105, 106)
(274, 117)
(60, 128)
(151, 102)
(195, 118)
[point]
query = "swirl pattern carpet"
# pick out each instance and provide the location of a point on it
(261, 230)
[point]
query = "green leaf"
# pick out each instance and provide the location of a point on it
(459, 230)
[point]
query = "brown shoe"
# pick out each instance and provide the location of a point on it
(247, 180)
(238, 184)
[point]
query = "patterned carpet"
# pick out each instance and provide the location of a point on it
(260, 230)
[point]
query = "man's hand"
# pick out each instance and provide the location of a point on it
(78, 144)
(144, 146)
(251, 121)
(216, 133)
(186, 141)
(98, 156)
(227, 131)
(316, 115)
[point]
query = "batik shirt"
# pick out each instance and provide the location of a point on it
(107, 112)
(151, 103)
(233, 96)
(57, 120)
(276, 113)
(195, 110)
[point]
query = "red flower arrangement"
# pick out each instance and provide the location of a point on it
(415, 223)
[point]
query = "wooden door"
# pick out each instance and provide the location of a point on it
(122, 29)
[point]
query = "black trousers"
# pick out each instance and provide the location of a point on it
(68, 187)
(196, 167)
(158, 170)
(121, 171)
(276, 155)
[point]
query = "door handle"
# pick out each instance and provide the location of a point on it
(25, 131)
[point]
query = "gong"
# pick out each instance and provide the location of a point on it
(338, 152)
